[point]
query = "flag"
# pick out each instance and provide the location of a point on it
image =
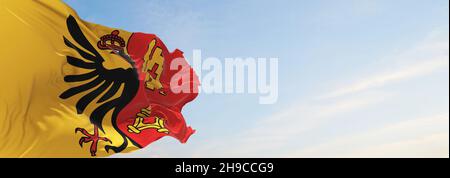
(71, 88)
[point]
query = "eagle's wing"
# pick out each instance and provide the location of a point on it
(99, 77)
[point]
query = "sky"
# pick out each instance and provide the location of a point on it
(357, 78)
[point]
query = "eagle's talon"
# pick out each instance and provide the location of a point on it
(81, 141)
(94, 138)
(78, 130)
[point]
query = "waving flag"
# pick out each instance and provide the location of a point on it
(70, 88)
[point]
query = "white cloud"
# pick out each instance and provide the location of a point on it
(419, 69)
(276, 131)
(427, 57)
(428, 146)
(174, 23)
(423, 137)
(272, 136)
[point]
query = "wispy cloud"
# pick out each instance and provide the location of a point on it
(278, 130)
(421, 137)
(175, 23)
(276, 133)
(379, 80)
(427, 58)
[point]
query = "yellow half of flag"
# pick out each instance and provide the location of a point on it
(34, 119)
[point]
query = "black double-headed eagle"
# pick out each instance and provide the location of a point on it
(102, 83)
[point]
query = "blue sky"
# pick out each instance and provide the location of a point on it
(358, 78)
